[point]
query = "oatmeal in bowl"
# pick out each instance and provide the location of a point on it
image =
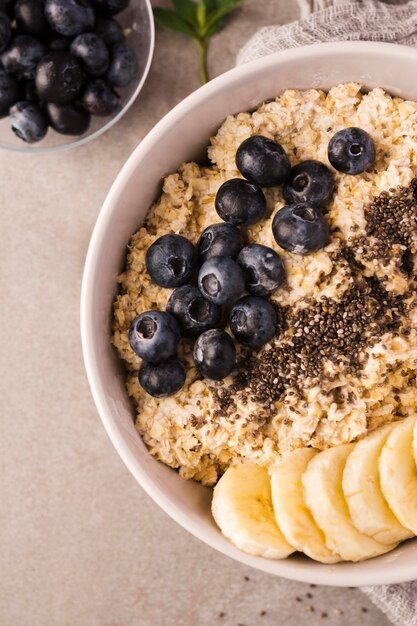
(267, 311)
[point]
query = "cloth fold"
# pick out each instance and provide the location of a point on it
(338, 20)
(369, 20)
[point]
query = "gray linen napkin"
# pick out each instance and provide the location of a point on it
(368, 20)
(338, 20)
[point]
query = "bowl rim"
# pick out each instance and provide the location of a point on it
(326, 575)
(37, 149)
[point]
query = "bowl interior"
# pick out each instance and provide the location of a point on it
(183, 135)
(138, 25)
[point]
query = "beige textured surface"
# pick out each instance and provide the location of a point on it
(82, 545)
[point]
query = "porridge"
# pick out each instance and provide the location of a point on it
(343, 357)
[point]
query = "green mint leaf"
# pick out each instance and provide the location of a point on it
(211, 5)
(215, 28)
(187, 10)
(222, 12)
(171, 20)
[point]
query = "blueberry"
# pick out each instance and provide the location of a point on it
(215, 354)
(162, 379)
(171, 261)
(70, 17)
(109, 30)
(351, 151)
(28, 121)
(219, 240)
(59, 77)
(220, 280)
(92, 53)
(8, 92)
(30, 18)
(123, 65)
(253, 321)
(192, 311)
(7, 6)
(68, 119)
(111, 7)
(263, 161)
(309, 182)
(240, 203)
(154, 336)
(300, 228)
(22, 56)
(5, 31)
(263, 269)
(100, 99)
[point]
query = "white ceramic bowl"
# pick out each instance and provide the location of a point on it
(180, 136)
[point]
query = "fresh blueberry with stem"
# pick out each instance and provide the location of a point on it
(171, 261)
(59, 77)
(240, 203)
(22, 56)
(351, 151)
(154, 335)
(263, 269)
(263, 161)
(111, 7)
(309, 182)
(162, 379)
(68, 119)
(219, 240)
(300, 228)
(100, 99)
(253, 321)
(194, 313)
(30, 18)
(215, 354)
(28, 121)
(5, 30)
(220, 280)
(92, 52)
(123, 65)
(8, 92)
(70, 17)
(108, 30)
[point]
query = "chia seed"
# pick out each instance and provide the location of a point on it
(325, 334)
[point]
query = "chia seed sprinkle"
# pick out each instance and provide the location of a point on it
(324, 336)
(391, 220)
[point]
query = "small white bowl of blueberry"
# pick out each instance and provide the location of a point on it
(69, 69)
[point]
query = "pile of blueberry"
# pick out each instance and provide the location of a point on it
(209, 279)
(60, 62)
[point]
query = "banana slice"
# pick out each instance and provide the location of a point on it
(368, 508)
(398, 473)
(322, 482)
(242, 507)
(291, 512)
(415, 442)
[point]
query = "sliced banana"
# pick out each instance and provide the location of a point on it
(242, 507)
(368, 508)
(398, 473)
(322, 482)
(291, 512)
(415, 442)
